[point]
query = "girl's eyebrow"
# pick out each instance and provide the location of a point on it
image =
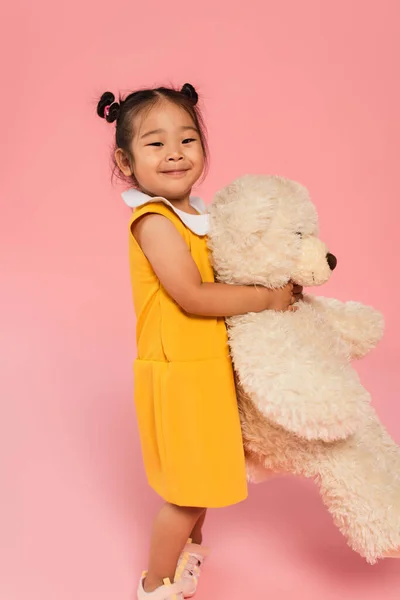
(191, 127)
(158, 131)
(153, 132)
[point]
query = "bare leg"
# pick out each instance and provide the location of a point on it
(197, 531)
(393, 554)
(171, 530)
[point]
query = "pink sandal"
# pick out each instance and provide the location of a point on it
(189, 567)
(168, 591)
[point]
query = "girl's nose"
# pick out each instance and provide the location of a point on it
(174, 156)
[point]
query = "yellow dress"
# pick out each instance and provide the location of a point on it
(184, 387)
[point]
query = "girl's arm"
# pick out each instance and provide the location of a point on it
(174, 266)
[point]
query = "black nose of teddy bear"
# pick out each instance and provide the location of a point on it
(332, 261)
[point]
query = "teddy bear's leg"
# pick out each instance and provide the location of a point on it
(359, 478)
(360, 326)
(360, 485)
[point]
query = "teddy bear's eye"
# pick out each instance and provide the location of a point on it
(299, 234)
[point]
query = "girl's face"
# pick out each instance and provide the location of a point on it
(167, 153)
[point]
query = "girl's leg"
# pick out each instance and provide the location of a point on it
(171, 530)
(197, 531)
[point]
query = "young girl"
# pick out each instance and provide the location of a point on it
(184, 386)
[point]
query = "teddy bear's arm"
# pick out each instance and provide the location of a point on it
(360, 326)
(306, 387)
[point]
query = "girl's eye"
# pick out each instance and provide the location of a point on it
(156, 144)
(188, 140)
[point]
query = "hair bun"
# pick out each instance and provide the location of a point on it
(107, 108)
(189, 91)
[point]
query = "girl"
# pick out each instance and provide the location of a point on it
(184, 385)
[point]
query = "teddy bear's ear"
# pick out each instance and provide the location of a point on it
(243, 206)
(247, 188)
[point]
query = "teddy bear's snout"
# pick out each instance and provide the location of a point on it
(332, 261)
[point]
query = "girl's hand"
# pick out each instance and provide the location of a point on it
(281, 299)
(298, 292)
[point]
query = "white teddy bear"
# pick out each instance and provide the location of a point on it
(303, 408)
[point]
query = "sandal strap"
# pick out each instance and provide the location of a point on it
(168, 591)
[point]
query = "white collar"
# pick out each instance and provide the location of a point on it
(196, 223)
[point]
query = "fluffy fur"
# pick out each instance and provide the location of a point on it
(303, 408)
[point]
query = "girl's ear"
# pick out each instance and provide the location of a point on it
(123, 162)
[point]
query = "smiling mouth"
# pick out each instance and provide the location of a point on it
(176, 173)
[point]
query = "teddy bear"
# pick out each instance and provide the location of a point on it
(303, 408)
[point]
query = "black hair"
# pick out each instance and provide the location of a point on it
(124, 111)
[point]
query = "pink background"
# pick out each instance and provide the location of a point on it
(306, 89)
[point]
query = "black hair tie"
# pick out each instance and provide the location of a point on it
(107, 108)
(189, 91)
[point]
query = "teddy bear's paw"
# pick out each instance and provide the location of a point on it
(360, 326)
(364, 328)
